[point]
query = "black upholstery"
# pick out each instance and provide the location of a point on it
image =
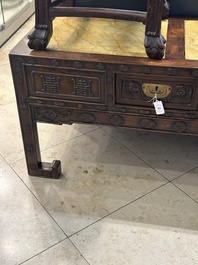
(179, 8)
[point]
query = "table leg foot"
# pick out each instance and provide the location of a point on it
(46, 170)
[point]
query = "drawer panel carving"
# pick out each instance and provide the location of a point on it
(60, 116)
(71, 84)
(130, 91)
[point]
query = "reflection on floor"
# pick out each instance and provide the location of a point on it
(125, 197)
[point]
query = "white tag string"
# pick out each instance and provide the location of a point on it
(154, 99)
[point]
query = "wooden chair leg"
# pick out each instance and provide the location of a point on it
(40, 37)
(154, 42)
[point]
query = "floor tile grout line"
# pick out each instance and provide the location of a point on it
(3, 64)
(184, 192)
(12, 162)
(45, 149)
(99, 127)
(68, 236)
(137, 156)
(56, 244)
(43, 251)
(184, 173)
(127, 204)
(78, 251)
(4, 160)
(39, 202)
(5, 54)
(8, 62)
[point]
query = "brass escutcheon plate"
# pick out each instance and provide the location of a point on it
(162, 91)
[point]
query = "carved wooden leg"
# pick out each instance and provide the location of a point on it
(32, 150)
(40, 37)
(29, 128)
(154, 42)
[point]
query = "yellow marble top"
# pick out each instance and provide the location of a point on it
(101, 36)
(110, 36)
(191, 39)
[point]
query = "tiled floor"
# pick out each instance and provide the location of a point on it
(125, 197)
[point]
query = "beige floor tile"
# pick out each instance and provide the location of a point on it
(189, 183)
(26, 228)
(57, 134)
(171, 155)
(2, 162)
(11, 147)
(100, 176)
(7, 94)
(161, 228)
(3, 58)
(63, 253)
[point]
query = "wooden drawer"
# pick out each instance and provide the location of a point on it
(129, 90)
(65, 83)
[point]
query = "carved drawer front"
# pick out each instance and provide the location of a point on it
(66, 84)
(180, 93)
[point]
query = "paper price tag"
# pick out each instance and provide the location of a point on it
(159, 108)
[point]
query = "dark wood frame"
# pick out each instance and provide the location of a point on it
(46, 10)
(36, 104)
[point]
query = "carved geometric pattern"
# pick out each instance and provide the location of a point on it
(49, 115)
(172, 71)
(54, 62)
(147, 123)
(131, 90)
(82, 86)
(182, 93)
(179, 126)
(18, 74)
(50, 83)
(100, 66)
(123, 68)
(86, 117)
(77, 64)
(116, 120)
(46, 114)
